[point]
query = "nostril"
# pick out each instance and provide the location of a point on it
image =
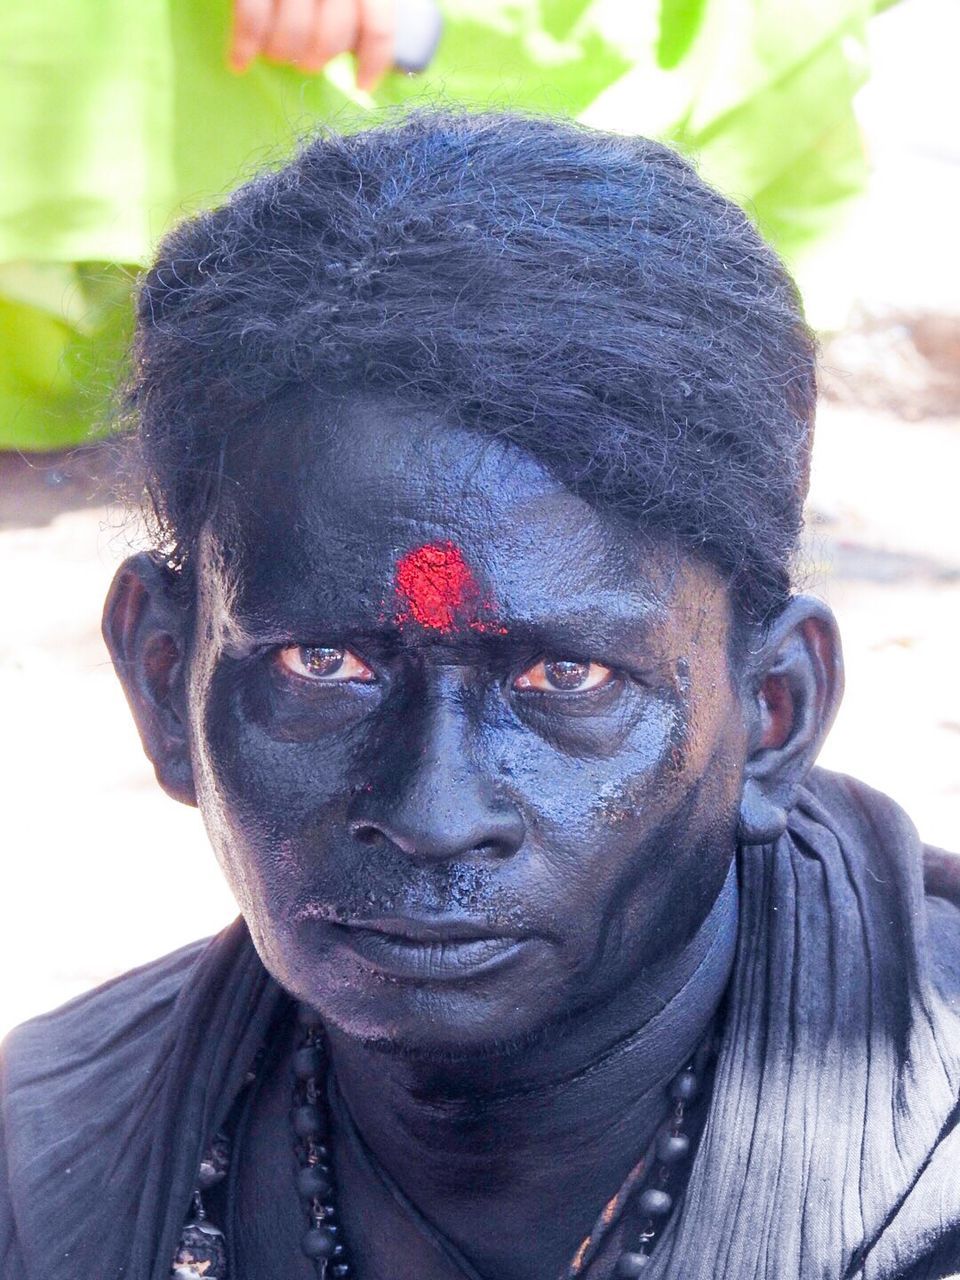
(491, 849)
(365, 833)
(438, 842)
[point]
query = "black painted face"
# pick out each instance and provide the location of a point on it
(469, 752)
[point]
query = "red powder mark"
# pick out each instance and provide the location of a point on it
(436, 589)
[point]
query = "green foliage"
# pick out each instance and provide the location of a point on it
(680, 21)
(122, 118)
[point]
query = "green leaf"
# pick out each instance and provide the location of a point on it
(680, 21)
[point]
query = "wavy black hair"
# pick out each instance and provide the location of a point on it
(582, 294)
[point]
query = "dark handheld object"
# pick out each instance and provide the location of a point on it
(419, 28)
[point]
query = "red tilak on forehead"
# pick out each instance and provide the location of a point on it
(435, 588)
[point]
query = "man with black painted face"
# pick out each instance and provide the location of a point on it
(476, 449)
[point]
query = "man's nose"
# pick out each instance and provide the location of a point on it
(430, 799)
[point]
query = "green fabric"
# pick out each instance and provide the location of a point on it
(120, 117)
(64, 331)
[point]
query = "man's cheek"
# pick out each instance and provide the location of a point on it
(267, 810)
(587, 808)
(259, 759)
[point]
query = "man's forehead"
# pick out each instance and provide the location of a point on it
(382, 516)
(361, 441)
(429, 571)
(360, 473)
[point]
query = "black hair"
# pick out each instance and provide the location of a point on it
(582, 294)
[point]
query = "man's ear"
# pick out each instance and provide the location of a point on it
(795, 685)
(146, 628)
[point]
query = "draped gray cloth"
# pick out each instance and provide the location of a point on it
(832, 1144)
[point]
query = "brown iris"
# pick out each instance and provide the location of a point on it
(563, 675)
(324, 663)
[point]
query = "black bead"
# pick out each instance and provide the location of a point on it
(341, 1269)
(209, 1176)
(313, 1183)
(655, 1202)
(318, 1243)
(308, 1017)
(308, 1121)
(672, 1147)
(703, 1055)
(631, 1264)
(338, 1250)
(214, 1165)
(685, 1087)
(307, 1062)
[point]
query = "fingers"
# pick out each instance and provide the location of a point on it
(291, 31)
(375, 40)
(251, 23)
(308, 33)
(335, 30)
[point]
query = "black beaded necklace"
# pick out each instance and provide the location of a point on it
(321, 1241)
(651, 1189)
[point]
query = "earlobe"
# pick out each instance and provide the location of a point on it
(761, 820)
(145, 627)
(794, 689)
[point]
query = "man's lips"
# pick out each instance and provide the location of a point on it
(430, 929)
(434, 948)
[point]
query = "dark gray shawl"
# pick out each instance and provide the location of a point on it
(832, 1147)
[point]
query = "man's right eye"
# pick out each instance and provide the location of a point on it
(563, 675)
(324, 664)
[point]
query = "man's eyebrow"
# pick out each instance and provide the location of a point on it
(595, 629)
(595, 632)
(608, 617)
(618, 612)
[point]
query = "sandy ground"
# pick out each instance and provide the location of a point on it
(103, 872)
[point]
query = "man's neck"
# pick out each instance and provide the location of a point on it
(540, 1137)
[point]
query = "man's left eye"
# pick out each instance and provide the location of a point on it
(324, 664)
(563, 675)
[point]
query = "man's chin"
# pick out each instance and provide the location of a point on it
(476, 1005)
(421, 1023)
(442, 1052)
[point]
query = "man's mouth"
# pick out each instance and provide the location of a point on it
(428, 949)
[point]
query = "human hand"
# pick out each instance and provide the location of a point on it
(308, 33)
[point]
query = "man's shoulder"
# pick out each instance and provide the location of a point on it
(898, 866)
(941, 877)
(941, 874)
(103, 1041)
(89, 1091)
(879, 816)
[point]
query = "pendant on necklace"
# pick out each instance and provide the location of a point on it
(202, 1253)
